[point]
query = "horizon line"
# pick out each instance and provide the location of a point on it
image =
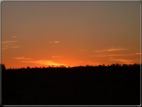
(63, 66)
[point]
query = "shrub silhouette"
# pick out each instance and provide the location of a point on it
(2, 67)
(28, 67)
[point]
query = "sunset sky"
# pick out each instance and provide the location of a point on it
(70, 33)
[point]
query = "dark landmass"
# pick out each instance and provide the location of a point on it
(89, 85)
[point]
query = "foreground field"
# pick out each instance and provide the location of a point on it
(114, 85)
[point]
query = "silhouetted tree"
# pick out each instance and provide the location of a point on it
(113, 65)
(28, 67)
(100, 65)
(118, 65)
(2, 67)
(125, 65)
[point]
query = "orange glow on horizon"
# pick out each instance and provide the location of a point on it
(45, 64)
(70, 34)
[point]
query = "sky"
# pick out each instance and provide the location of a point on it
(38, 34)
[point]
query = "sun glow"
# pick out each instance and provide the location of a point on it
(46, 62)
(66, 36)
(56, 64)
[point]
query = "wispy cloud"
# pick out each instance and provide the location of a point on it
(122, 60)
(22, 58)
(53, 42)
(82, 50)
(93, 63)
(13, 36)
(108, 55)
(110, 50)
(56, 56)
(138, 53)
(4, 48)
(119, 49)
(44, 62)
(81, 61)
(8, 41)
(15, 47)
(9, 46)
(56, 41)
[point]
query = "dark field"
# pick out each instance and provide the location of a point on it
(102, 85)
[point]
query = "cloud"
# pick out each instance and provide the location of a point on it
(81, 61)
(7, 47)
(15, 47)
(44, 62)
(108, 55)
(13, 36)
(4, 48)
(81, 50)
(8, 41)
(56, 56)
(122, 60)
(110, 50)
(22, 58)
(92, 63)
(138, 53)
(119, 49)
(8, 44)
(56, 41)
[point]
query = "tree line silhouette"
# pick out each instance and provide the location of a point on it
(62, 66)
(79, 85)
